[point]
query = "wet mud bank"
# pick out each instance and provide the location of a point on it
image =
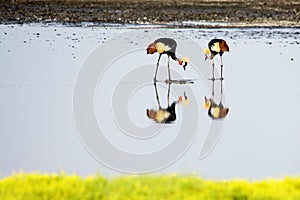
(179, 13)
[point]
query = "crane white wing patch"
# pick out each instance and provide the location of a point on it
(160, 47)
(216, 47)
(215, 111)
(161, 115)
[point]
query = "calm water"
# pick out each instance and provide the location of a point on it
(260, 137)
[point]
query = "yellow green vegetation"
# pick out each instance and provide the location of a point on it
(45, 186)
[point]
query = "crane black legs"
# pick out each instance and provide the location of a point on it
(221, 68)
(157, 97)
(168, 95)
(157, 65)
(157, 68)
(213, 87)
(213, 70)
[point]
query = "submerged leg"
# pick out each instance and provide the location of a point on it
(157, 97)
(213, 88)
(168, 95)
(221, 90)
(157, 67)
(213, 70)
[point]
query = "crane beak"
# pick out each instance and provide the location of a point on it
(183, 61)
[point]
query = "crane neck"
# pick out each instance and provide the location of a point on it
(173, 56)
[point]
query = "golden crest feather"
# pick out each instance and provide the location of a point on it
(185, 59)
(206, 51)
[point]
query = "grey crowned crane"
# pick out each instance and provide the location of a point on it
(166, 46)
(215, 47)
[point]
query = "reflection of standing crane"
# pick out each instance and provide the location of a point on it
(216, 46)
(165, 46)
(215, 111)
(165, 115)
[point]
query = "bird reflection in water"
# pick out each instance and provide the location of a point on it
(215, 110)
(167, 115)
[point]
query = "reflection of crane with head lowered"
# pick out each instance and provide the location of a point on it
(215, 110)
(165, 115)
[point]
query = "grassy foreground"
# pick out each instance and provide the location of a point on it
(44, 186)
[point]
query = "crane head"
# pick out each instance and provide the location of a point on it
(183, 61)
(183, 100)
(207, 54)
(206, 103)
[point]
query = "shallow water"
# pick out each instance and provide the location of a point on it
(40, 70)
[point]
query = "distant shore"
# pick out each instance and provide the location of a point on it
(173, 13)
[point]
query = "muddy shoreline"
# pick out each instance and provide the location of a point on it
(178, 13)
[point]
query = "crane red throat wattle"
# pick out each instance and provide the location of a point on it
(183, 64)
